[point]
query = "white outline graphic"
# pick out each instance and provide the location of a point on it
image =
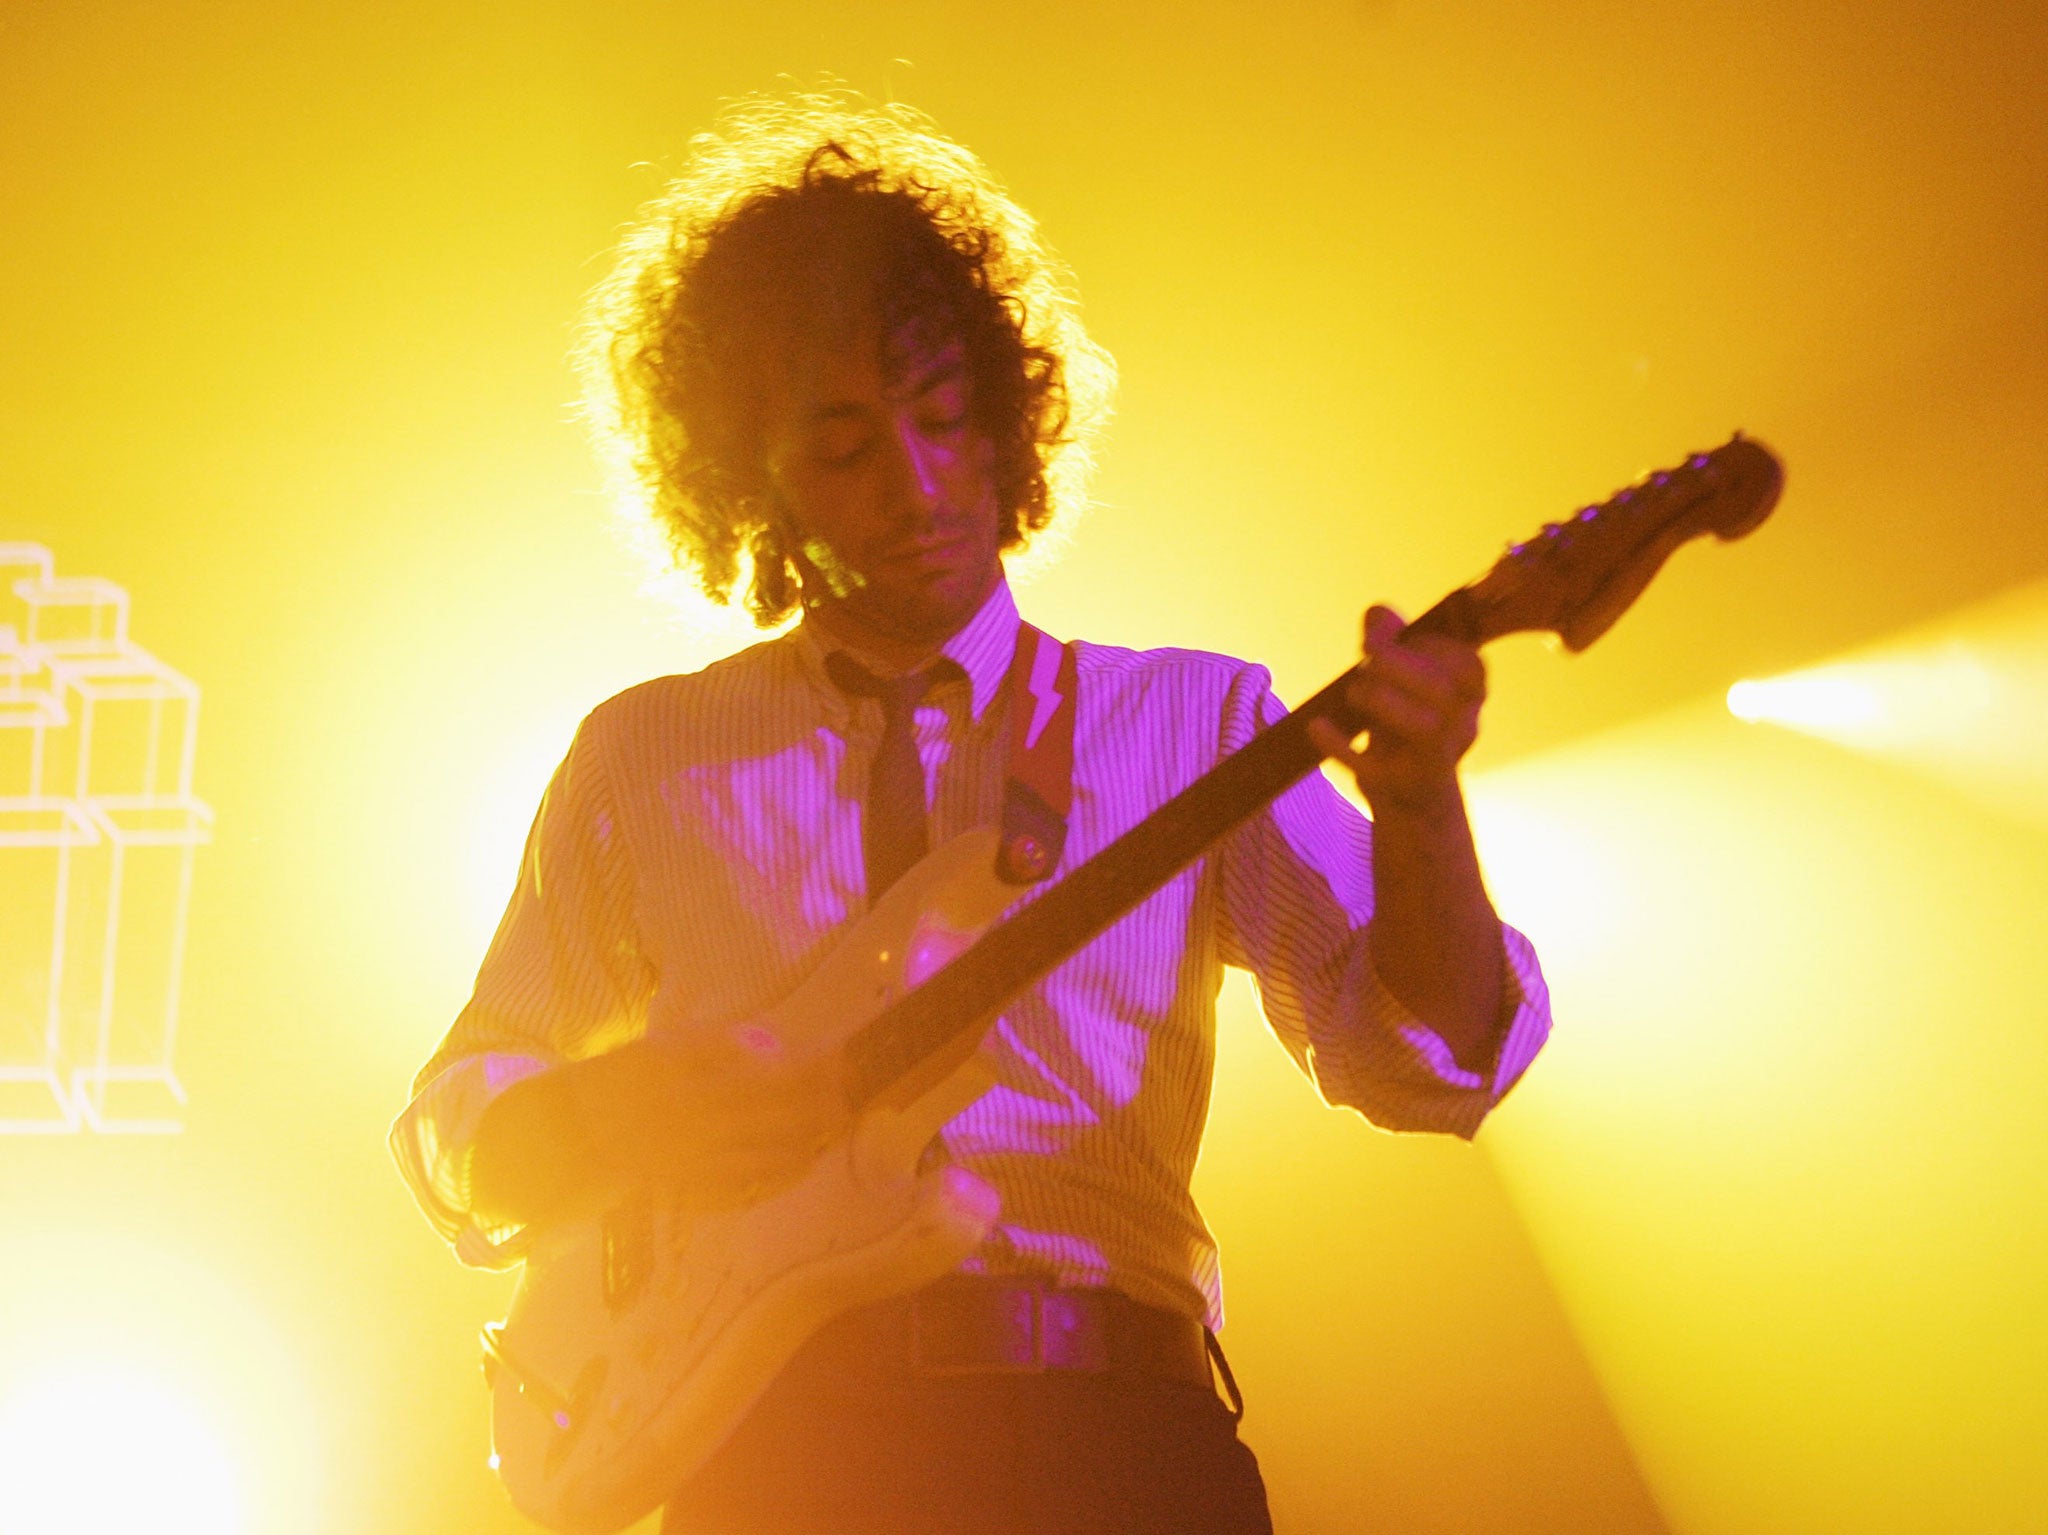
(98, 831)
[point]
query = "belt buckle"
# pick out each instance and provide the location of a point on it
(1013, 1328)
(1073, 1330)
(987, 1332)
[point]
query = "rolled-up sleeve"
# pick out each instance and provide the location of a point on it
(564, 978)
(1296, 893)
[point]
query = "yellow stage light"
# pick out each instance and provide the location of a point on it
(1965, 701)
(141, 1388)
(1896, 701)
(99, 1448)
(1823, 702)
(1777, 1156)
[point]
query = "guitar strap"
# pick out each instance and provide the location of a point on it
(1039, 789)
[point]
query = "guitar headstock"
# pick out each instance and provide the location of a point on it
(1576, 577)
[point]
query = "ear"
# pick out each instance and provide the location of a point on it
(779, 573)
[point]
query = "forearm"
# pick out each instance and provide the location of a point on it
(1435, 938)
(715, 1120)
(557, 1142)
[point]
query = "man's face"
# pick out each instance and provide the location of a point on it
(886, 483)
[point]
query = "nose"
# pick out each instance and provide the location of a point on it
(924, 463)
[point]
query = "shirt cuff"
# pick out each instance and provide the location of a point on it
(1398, 1071)
(432, 1141)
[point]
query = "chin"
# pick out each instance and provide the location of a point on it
(930, 609)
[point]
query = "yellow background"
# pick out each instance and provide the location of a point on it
(285, 292)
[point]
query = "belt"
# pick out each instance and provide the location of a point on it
(971, 1324)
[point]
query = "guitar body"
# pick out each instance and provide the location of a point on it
(637, 1341)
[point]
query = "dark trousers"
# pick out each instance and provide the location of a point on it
(848, 1444)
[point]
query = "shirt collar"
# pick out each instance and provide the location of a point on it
(985, 644)
(982, 648)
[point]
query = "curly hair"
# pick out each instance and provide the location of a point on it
(793, 204)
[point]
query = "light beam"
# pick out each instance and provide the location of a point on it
(101, 1448)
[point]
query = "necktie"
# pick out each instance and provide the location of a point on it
(893, 833)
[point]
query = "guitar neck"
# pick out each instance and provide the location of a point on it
(963, 995)
(1573, 579)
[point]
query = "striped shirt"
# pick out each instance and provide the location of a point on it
(699, 850)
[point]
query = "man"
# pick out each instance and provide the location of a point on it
(849, 382)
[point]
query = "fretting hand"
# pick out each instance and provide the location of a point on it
(1420, 697)
(1436, 942)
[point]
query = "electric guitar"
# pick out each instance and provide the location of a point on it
(637, 1340)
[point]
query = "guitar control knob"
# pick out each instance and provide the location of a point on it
(1026, 860)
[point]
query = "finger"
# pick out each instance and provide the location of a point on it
(1388, 695)
(1391, 712)
(1378, 679)
(1383, 627)
(1387, 636)
(1457, 663)
(1419, 676)
(1333, 743)
(1432, 664)
(1387, 642)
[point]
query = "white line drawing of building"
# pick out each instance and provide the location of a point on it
(99, 827)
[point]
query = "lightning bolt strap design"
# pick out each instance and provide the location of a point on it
(1045, 693)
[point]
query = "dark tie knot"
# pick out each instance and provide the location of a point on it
(898, 695)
